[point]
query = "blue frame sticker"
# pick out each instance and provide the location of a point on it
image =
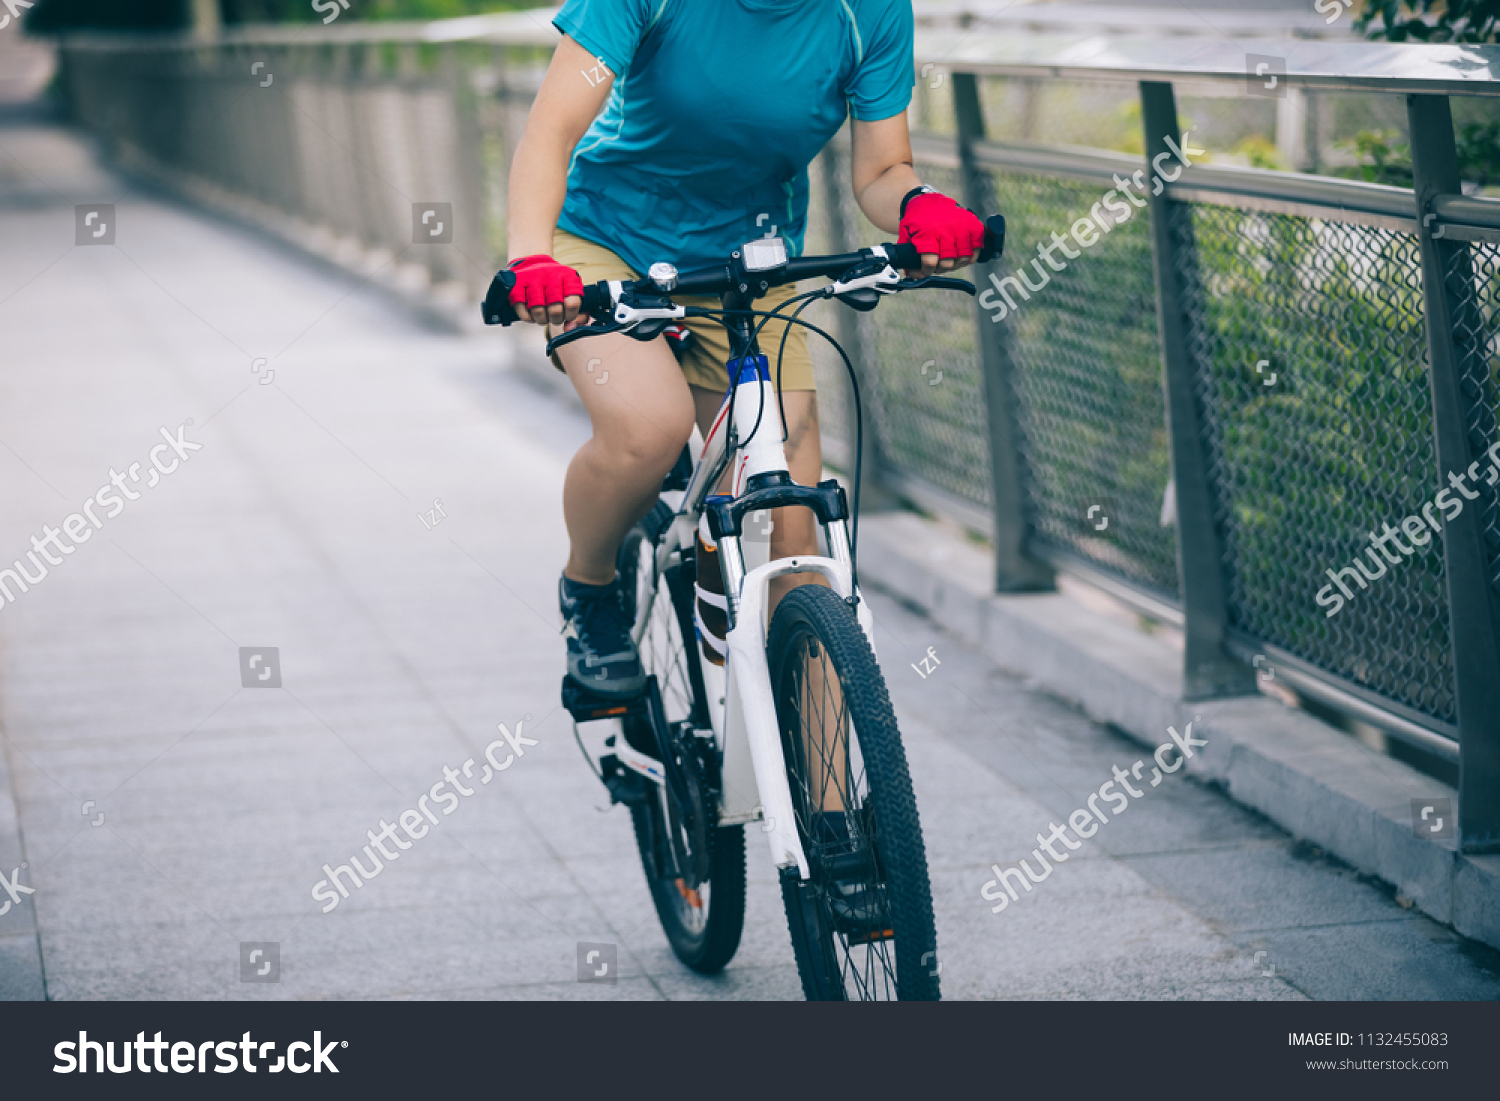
(749, 369)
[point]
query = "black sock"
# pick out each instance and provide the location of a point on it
(575, 590)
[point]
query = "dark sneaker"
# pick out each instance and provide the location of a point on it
(601, 655)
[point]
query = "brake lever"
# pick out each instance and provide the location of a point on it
(941, 282)
(578, 334)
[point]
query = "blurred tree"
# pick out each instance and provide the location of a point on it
(56, 15)
(1260, 152)
(1432, 20)
(50, 16)
(1381, 158)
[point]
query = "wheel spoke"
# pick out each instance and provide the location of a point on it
(663, 654)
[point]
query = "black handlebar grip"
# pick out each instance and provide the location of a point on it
(906, 258)
(497, 309)
(596, 302)
(994, 238)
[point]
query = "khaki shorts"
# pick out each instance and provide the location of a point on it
(703, 363)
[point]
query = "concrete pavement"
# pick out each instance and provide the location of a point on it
(405, 630)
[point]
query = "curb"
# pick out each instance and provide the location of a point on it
(1314, 781)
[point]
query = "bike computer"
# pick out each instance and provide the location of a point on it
(764, 253)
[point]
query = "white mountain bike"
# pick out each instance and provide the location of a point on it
(786, 724)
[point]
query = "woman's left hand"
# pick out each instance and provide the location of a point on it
(947, 235)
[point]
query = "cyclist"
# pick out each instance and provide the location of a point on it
(711, 112)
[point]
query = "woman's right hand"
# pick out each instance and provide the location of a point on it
(546, 291)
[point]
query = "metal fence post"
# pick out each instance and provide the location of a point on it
(1015, 571)
(1208, 668)
(1463, 424)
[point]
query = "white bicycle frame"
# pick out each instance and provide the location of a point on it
(740, 697)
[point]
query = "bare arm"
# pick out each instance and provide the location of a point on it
(883, 174)
(563, 109)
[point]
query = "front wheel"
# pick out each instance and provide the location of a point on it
(861, 924)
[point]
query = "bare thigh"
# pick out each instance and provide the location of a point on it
(642, 413)
(633, 392)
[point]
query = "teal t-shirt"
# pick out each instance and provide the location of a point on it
(718, 106)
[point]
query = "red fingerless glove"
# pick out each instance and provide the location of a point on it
(541, 282)
(936, 224)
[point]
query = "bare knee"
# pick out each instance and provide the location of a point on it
(649, 447)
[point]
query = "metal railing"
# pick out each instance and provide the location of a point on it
(1205, 397)
(337, 138)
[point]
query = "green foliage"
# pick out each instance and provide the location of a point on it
(1131, 138)
(1432, 20)
(1382, 159)
(300, 11)
(1479, 151)
(1477, 21)
(1260, 153)
(1128, 116)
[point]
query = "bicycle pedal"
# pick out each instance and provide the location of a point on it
(586, 706)
(624, 786)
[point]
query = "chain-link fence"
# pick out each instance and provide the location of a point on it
(1311, 353)
(1087, 384)
(1474, 281)
(1087, 376)
(1307, 334)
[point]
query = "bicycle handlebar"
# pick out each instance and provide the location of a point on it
(598, 300)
